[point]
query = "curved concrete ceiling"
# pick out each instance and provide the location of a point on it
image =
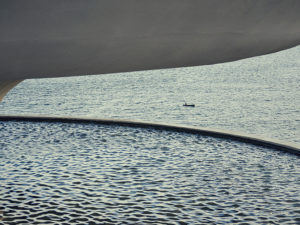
(57, 38)
(6, 86)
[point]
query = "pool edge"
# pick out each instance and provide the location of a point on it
(238, 136)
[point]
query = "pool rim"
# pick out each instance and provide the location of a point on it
(218, 133)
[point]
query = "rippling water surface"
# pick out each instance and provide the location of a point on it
(260, 95)
(56, 173)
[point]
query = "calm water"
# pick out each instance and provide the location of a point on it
(259, 95)
(89, 174)
(55, 173)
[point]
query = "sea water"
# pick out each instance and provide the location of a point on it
(60, 173)
(260, 95)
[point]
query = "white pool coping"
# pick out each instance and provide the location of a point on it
(238, 136)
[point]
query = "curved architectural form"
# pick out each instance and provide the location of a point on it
(73, 37)
(267, 142)
(6, 86)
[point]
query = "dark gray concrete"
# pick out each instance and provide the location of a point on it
(6, 86)
(237, 136)
(58, 38)
(53, 38)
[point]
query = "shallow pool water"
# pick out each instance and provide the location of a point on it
(60, 173)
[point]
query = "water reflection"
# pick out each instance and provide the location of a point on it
(91, 174)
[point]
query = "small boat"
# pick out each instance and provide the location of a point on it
(189, 105)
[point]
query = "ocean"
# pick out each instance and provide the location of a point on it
(259, 95)
(74, 173)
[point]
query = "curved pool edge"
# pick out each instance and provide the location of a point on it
(238, 136)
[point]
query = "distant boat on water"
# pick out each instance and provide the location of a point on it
(189, 105)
